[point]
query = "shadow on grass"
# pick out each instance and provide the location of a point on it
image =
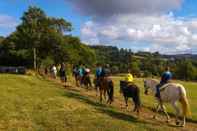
(171, 115)
(105, 109)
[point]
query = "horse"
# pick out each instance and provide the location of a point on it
(77, 78)
(96, 85)
(133, 91)
(170, 93)
(106, 86)
(86, 81)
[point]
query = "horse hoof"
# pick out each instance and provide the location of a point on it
(168, 121)
(177, 123)
(182, 125)
(154, 117)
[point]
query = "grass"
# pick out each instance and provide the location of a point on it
(30, 103)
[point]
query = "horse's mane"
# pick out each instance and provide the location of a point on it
(153, 79)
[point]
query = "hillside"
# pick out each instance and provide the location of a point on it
(35, 103)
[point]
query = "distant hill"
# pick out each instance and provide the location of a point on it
(181, 56)
(141, 54)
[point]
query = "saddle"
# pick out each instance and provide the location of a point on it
(130, 84)
(127, 84)
(163, 87)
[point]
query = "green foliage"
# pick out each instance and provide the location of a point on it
(77, 52)
(47, 36)
(146, 63)
(47, 62)
(186, 70)
(1, 39)
(135, 68)
(116, 58)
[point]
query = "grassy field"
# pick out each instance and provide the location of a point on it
(35, 103)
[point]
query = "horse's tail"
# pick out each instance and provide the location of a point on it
(111, 91)
(138, 97)
(184, 102)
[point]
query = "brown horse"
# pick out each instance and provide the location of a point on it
(86, 81)
(106, 86)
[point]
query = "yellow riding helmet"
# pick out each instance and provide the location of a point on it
(129, 78)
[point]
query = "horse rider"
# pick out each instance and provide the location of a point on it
(81, 73)
(129, 77)
(98, 74)
(165, 78)
(106, 71)
(87, 72)
(75, 70)
(63, 73)
(86, 77)
(54, 71)
(76, 74)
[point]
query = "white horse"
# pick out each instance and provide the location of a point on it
(170, 93)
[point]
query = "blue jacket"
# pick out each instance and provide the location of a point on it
(81, 71)
(98, 72)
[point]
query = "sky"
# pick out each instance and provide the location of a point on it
(166, 26)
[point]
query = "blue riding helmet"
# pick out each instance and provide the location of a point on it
(166, 76)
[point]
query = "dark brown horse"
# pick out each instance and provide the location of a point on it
(106, 85)
(131, 90)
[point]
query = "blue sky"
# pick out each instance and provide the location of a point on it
(147, 27)
(15, 9)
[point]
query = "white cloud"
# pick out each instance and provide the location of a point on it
(138, 24)
(7, 21)
(163, 33)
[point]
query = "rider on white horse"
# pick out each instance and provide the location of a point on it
(166, 77)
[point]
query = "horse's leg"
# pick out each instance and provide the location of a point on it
(101, 93)
(157, 110)
(109, 96)
(183, 124)
(174, 104)
(126, 101)
(137, 107)
(104, 93)
(97, 90)
(165, 112)
(90, 83)
(112, 94)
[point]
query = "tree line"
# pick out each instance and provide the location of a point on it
(146, 64)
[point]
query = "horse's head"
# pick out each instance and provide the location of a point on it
(150, 83)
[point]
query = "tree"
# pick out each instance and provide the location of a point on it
(185, 70)
(78, 52)
(135, 68)
(41, 34)
(1, 39)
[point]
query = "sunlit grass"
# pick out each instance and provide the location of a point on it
(34, 103)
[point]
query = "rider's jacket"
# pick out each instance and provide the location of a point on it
(98, 72)
(105, 72)
(81, 71)
(129, 77)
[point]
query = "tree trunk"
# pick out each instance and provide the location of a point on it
(35, 64)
